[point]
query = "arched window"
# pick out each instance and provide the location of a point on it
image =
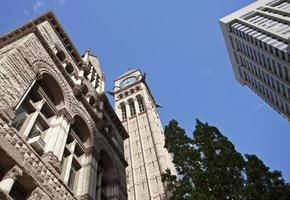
(92, 101)
(78, 140)
(59, 53)
(34, 115)
(140, 103)
(106, 178)
(132, 107)
(69, 68)
(123, 111)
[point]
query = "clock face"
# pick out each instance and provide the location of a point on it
(128, 81)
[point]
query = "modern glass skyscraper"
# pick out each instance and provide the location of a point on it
(257, 38)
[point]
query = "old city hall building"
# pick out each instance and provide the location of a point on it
(59, 136)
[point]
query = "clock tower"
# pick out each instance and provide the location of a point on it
(144, 151)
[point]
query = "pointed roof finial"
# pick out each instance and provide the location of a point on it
(88, 50)
(86, 57)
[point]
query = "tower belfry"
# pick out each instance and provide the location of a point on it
(144, 149)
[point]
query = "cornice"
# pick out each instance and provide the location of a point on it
(142, 80)
(127, 74)
(30, 26)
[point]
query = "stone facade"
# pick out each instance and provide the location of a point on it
(59, 136)
(144, 150)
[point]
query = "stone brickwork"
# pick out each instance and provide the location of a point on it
(144, 150)
(59, 136)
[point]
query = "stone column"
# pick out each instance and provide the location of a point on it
(90, 75)
(84, 175)
(61, 139)
(99, 186)
(8, 180)
(136, 105)
(56, 139)
(128, 113)
(94, 82)
(93, 175)
(112, 190)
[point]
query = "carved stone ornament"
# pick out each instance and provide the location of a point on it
(38, 194)
(52, 160)
(86, 197)
(77, 90)
(14, 173)
(39, 76)
(6, 115)
(64, 112)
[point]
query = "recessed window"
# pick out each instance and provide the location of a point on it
(123, 111)
(140, 103)
(33, 115)
(132, 107)
(21, 115)
(69, 68)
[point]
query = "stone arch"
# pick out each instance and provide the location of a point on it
(103, 145)
(53, 89)
(140, 102)
(40, 67)
(109, 168)
(82, 130)
(77, 110)
(106, 173)
(132, 106)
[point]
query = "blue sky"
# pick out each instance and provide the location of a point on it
(180, 47)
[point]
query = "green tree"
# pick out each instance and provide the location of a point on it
(261, 183)
(209, 168)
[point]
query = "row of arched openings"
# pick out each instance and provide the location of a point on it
(38, 123)
(132, 108)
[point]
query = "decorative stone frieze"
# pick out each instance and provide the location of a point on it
(38, 194)
(6, 115)
(13, 173)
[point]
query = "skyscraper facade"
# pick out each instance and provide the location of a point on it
(257, 39)
(60, 138)
(144, 149)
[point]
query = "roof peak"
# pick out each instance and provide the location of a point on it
(129, 71)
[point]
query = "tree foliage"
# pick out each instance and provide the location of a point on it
(208, 167)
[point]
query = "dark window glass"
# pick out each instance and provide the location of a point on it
(286, 73)
(72, 176)
(20, 118)
(280, 70)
